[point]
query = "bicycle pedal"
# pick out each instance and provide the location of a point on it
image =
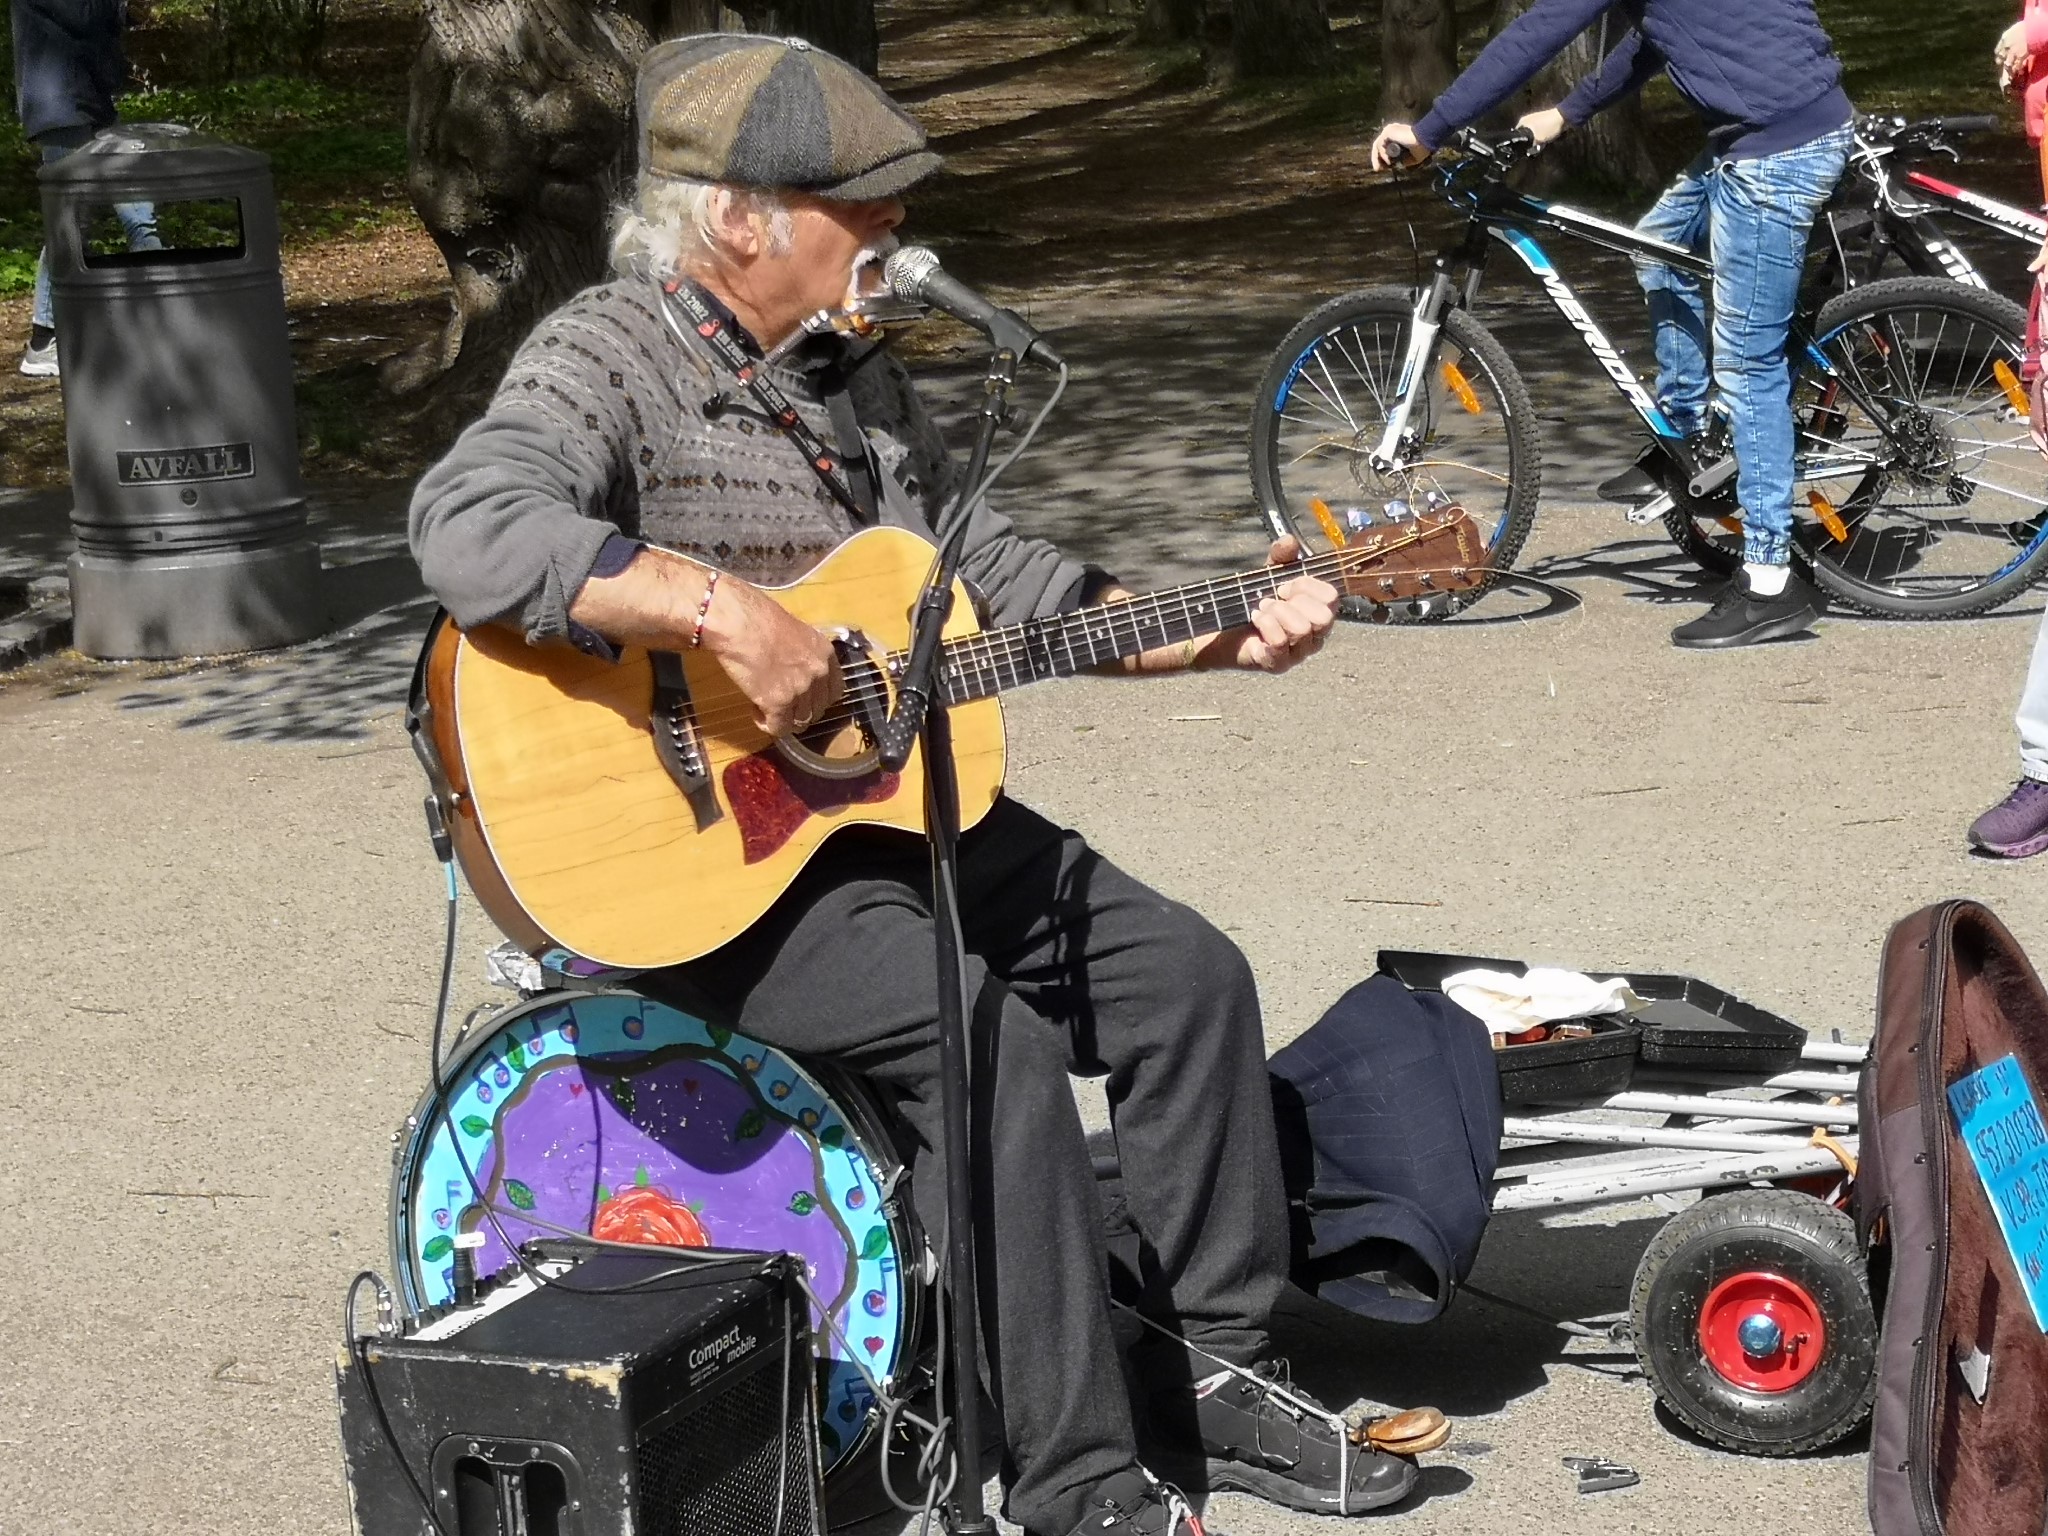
(1651, 511)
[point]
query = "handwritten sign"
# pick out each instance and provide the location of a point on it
(2000, 1123)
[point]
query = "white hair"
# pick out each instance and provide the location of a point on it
(673, 224)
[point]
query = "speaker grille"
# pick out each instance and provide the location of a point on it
(711, 1472)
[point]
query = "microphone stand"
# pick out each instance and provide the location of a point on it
(921, 713)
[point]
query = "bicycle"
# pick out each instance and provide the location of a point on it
(1885, 213)
(1924, 496)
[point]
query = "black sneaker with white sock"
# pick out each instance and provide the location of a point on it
(1743, 616)
(1260, 1434)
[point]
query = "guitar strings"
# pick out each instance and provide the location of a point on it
(1010, 648)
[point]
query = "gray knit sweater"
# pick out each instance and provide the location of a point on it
(600, 427)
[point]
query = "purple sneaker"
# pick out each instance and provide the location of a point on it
(2017, 826)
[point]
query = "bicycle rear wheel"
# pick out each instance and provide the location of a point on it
(1322, 407)
(1927, 499)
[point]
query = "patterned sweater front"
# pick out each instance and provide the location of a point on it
(608, 421)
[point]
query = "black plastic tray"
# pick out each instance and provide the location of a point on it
(1550, 1071)
(1692, 1024)
(1689, 1023)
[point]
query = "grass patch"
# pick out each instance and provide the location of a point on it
(332, 414)
(338, 156)
(1908, 57)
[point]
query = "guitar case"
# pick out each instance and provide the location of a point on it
(1959, 1433)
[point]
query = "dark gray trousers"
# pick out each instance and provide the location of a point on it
(1074, 967)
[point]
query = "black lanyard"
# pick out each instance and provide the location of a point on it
(841, 478)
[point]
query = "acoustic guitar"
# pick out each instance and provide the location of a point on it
(633, 813)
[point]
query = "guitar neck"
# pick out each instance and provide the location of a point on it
(1063, 644)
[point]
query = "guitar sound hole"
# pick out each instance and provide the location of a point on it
(836, 748)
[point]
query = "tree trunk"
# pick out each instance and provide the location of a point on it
(520, 143)
(1418, 56)
(844, 27)
(1612, 148)
(1279, 37)
(1172, 21)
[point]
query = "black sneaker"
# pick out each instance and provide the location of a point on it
(1635, 484)
(1263, 1435)
(1135, 1503)
(1740, 617)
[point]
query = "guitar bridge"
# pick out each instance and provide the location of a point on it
(673, 724)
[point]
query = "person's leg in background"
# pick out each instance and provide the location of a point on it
(39, 360)
(1678, 309)
(138, 222)
(2017, 827)
(1678, 326)
(1762, 213)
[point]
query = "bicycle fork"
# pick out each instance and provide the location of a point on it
(1425, 325)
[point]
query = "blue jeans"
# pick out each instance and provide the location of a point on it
(1752, 217)
(138, 219)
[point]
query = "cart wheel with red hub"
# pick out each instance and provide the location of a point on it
(1752, 1319)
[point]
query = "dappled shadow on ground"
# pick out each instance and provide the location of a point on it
(999, 70)
(1653, 570)
(329, 689)
(1479, 1356)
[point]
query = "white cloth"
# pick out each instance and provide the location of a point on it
(1507, 1003)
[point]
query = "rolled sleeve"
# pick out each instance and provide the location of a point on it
(508, 525)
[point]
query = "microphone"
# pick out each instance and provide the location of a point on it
(914, 273)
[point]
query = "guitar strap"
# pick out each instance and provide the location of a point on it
(849, 474)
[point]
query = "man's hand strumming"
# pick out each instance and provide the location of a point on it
(787, 670)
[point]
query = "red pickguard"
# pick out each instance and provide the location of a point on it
(770, 799)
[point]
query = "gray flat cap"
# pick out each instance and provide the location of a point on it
(774, 113)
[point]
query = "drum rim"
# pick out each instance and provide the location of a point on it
(846, 1091)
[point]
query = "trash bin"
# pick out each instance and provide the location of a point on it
(186, 502)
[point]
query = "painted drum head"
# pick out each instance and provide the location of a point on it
(616, 1116)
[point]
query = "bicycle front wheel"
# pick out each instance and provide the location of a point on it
(1926, 498)
(1322, 410)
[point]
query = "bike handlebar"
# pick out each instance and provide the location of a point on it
(1511, 148)
(1932, 133)
(1484, 162)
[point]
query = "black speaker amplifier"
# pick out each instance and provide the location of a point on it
(632, 1395)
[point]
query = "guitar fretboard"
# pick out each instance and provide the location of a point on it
(1058, 646)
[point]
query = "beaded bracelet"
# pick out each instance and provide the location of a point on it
(703, 608)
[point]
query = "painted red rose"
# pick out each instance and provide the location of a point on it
(642, 1214)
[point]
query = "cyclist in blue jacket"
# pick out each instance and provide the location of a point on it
(1765, 77)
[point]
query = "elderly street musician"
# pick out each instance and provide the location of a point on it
(627, 487)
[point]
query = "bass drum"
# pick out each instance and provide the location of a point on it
(610, 1114)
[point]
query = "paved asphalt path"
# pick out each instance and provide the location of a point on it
(224, 926)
